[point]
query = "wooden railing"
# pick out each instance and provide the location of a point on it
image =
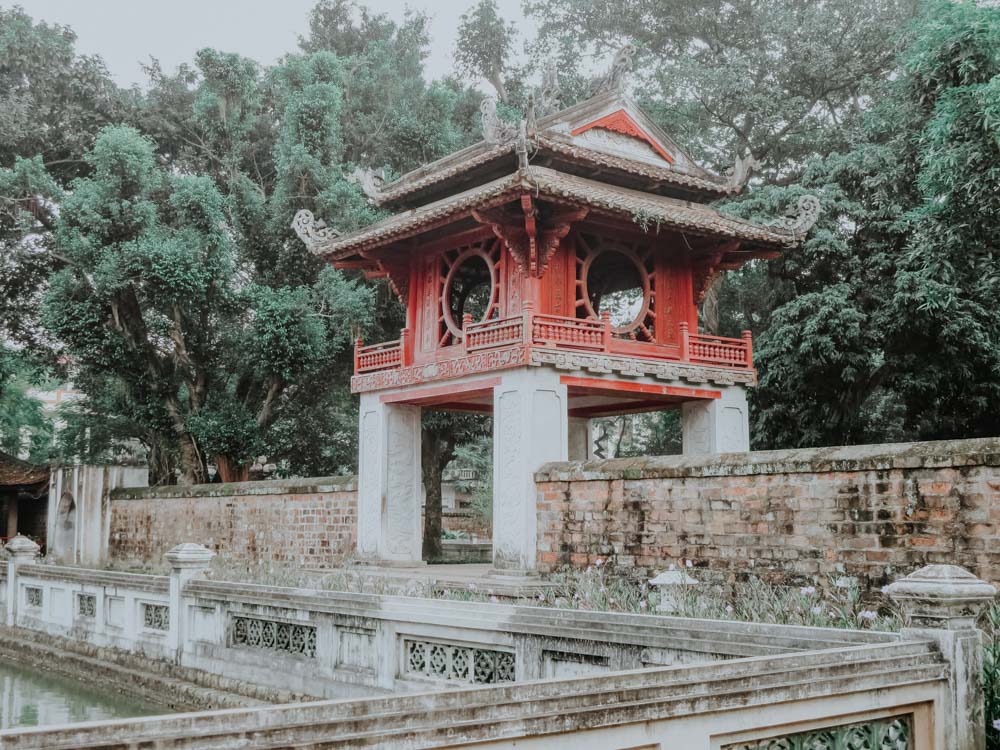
(384, 356)
(491, 333)
(556, 331)
(716, 350)
(572, 333)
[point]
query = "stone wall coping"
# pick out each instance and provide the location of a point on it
(309, 485)
(883, 457)
(86, 576)
(552, 706)
(727, 637)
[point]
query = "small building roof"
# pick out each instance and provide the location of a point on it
(608, 134)
(15, 473)
(548, 184)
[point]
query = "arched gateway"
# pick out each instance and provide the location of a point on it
(551, 274)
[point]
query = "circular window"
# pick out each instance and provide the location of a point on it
(617, 284)
(469, 289)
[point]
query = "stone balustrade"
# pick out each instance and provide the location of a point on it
(544, 677)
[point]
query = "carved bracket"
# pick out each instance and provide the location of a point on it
(532, 235)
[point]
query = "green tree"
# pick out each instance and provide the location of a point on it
(887, 329)
(776, 79)
(484, 46)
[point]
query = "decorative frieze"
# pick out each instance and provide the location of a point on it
(156, 617)
(274, 635)
(882, 734)
(443, 661)
(516, 356)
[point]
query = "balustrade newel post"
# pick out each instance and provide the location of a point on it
(466, 322)
(748, 343)
(528, 310)
(606, 320)
(187, 561)
(358, 343)
(685, 343)
(941, 603)
(20, 551)
(404, 347)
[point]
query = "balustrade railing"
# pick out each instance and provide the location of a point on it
(557, 331)
(383, 356)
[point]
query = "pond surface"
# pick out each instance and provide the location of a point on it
(31, 697)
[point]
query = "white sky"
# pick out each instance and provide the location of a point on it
(127, 32)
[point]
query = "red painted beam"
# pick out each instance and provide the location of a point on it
(605, 386)
(444, 394)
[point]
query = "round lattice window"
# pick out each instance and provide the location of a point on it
(469, 288)
(616, 281)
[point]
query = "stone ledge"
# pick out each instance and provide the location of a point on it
(852, 458)
(311, 485)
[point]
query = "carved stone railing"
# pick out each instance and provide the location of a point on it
(531, 329)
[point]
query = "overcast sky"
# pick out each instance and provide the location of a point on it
(127, 32)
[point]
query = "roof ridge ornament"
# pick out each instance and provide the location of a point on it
(312, 231)
(803, 217)
(495, 130)
(369, 180)
(739, 173)
(615, 80)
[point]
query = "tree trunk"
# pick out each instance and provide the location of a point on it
(436, 453)
(230, 471)
(192, 466)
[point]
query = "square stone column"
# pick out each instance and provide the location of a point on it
(389, 482)
(529, 429)
(581, 439)
(720, 425)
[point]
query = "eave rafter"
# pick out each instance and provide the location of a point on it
(393, 268)
(531, 234)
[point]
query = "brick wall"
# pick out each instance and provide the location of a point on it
(875, 511)
(467, 522)
(310, 522)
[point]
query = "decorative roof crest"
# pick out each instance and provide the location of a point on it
(495, 130)
(615, 80)
(804, 216)
(312, 231)
(368, 180)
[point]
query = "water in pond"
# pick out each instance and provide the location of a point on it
(31, 697)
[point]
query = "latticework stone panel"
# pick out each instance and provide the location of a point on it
(33, 597)
(442, 661)
(156, 617)
(274, 635)
(86, 605)
(883, 734)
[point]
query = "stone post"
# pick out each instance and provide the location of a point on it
(187, 561)
(20, 551)
(941, 603)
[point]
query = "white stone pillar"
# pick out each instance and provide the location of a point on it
(20, 551)
(720, 425)
(941, 603)
(390, 484)
(580, 439)
(186, 561)
(529, 429)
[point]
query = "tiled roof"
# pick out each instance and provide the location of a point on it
(543, 182)
(17, 473)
